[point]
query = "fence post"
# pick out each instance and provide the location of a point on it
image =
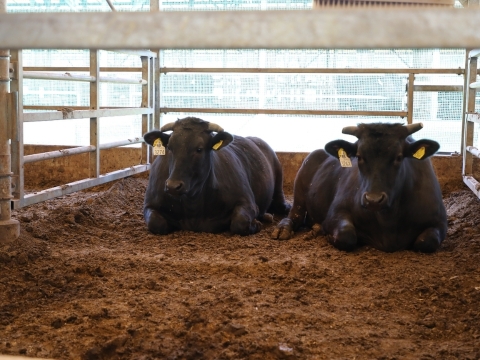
(95, 122)
(9, 228)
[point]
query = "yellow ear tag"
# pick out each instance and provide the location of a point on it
(217, 145)
(420, 153)
(344, 159)
(158, 148)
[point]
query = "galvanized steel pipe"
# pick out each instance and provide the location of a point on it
(9, 228)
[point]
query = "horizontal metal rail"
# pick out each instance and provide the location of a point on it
(141, 52)
(67, 113)
(284, 112)
(69, 188)
(58, 153)
(373, 3)
(313, 71)
(40, 75)
(437, 87)
(115, 144)
(78, 150)
(327, 28)
(81, 69)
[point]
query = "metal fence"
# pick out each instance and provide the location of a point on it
(93, 112)
(429, 28)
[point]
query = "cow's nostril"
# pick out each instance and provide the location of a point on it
(374, 198)
(174, 186)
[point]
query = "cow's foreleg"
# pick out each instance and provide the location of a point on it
(244, 221)
(343, 236)
(428, 241)
(156, 223)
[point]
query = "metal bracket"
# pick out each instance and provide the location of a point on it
(13, 70)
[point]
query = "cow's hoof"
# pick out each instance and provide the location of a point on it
(281, 234)
(316, 230)
(428, 241)
(283, 231)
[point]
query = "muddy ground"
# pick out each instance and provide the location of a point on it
(85, 280)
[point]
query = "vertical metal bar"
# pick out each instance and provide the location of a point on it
(151, 101)
(95, 122)
(469, 127)
(157, 74)
(16, 85)
(9, 228)
(155, 6)
(411, 79)
(464, 100)
(145, 103)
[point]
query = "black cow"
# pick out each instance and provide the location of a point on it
(389, 198)
(211, 181)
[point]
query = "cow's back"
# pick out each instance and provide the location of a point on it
(256, 168)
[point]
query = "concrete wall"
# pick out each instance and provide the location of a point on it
(59, 171)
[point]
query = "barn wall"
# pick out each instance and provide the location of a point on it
(59, 171)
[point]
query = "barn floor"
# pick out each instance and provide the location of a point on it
(85, 280)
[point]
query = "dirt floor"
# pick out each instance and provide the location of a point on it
(85, 280)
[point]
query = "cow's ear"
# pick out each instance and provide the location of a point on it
(422, 149)
(153, 135)
(220, 140)
(333, 147)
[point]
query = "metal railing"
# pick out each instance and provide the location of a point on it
(410, 89)
(471, 117)
(94, 112)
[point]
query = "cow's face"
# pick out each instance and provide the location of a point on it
(380, 153)
(189, 149)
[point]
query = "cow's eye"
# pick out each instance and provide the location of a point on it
(399, 158)
(199, 150)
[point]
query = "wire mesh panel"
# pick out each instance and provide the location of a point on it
(441, 112)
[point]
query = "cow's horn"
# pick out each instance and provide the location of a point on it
(350, 130)
(412, 128)
(214, 127)
(167, 127)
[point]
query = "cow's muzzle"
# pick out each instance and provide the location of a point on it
(374, 201)
(175, 187)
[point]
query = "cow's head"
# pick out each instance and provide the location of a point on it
(381, 150)
(189, 147)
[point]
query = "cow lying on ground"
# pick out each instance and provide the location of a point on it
(211, 181)
(387, 196)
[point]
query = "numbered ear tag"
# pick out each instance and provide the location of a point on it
(158, 148)
(344, 159)
(217, 145)
(419, 153)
